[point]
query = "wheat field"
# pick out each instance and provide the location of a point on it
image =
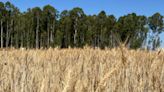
(81, 70)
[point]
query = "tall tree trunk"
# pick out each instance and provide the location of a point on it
(1, 34)
(22, 39)
(51, 37)
(11, 45)
(75, 33)
(155, 42)
(27, 39)
(41, 41)
(7, 35)
(11, 33)
(51, 34)
(145, 44)
(48, 36)
(17, 44)
(37, 34)
(17, 29)
(82, 39)
(113, 42)
(98, 40)
(101, 38)
(31, 37)
(75, 36)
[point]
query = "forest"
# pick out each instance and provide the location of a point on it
(44, 27)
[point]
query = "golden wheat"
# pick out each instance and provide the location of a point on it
(81, 70)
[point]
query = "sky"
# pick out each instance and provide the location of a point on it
(90, 7)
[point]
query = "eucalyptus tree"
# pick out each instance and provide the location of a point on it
(91, 35)
(156, 25)
(83, 31)
(101, 28)
(141, 33)
(11, 13)
(65, 28)
(76, 15)
(131, 28)
(90, 24)
(22, 29)
(110, 23)
(37, 12)
(15, 34)
(10, 17)
(30, 34)
(8, 14)
(2, 9)
(50, 18)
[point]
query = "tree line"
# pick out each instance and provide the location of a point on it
(46, 27)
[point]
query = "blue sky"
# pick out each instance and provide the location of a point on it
(116, 7)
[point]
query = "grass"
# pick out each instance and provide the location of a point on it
(81, 70)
